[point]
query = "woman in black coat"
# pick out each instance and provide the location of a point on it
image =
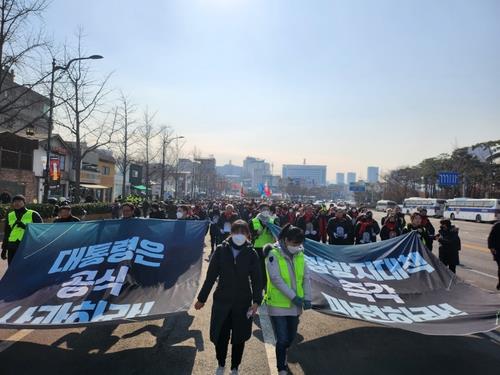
(238, 294)
(449, 244)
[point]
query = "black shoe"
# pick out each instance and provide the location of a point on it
(498, 286)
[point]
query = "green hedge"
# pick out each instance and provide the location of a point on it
(46, 210)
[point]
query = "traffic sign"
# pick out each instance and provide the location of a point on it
(357, 187)
(448, 178)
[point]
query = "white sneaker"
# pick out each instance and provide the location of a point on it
(234, 372)
(220, 370)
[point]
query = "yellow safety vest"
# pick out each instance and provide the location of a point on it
(274, 297)
(17, 233)
(265, 237)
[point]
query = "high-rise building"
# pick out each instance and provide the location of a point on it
(340, 178)
(308, 175)
(254, 170)
(372, 174)
(229, 170)
(351, 177)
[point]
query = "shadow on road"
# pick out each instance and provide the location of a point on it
(377, 350)
(87, 352)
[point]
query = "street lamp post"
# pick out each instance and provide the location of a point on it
(55, 68)
(164, 151)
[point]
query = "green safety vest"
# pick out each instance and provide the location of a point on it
(265, 237)
(273, 296)
(17, 233)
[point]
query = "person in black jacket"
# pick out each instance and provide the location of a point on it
(426, 223)
(366, 229)
(449, 244)
(309, 223)
(340, 229)
(228, 217)
(416, 224)
(235, 265)
(156, 213)
(494, 246)
(214, 216)
(65, 216)
(390, 228)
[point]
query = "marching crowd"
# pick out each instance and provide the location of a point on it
(249, 267)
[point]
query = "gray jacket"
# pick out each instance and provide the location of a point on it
(275, 276)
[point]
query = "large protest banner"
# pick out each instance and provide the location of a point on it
(397, 283)
(69, 274)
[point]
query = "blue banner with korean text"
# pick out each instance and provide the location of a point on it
(70, 274)
(397, 283)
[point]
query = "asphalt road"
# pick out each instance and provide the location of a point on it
(180, 343)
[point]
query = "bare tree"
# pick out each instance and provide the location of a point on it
(175, 153)
(83, 113)
(21, 48)
(148, 134)
(125, 137)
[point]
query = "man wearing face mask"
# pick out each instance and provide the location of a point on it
(228, 217)
(449, 244)
(183, 213)
(288, 289)
(214, 217)
(237, 297)
(261, 234)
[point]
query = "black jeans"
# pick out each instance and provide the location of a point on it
(223, 343)
(285, 329)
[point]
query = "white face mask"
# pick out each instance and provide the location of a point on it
(295, 249)
(239, 239)
(180, 215)
(265, 213)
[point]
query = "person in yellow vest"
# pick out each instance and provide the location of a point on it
(15, 225)
(261, 234)
(288, 290)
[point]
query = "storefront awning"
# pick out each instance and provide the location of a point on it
(94, 186)
(140, 187)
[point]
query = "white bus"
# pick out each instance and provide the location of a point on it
(383, 205)
(434, 207)
(473, 209)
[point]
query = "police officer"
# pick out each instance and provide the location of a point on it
(288, 289)
(15, 226)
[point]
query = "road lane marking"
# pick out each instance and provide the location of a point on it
(18, 336)
(479, 272)
(476, 247)
(269, 339)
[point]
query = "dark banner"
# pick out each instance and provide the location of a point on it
(397, 283)
(68, 274)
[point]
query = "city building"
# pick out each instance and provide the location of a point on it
(16, 167)
(205, 176)
(351, 177)
(372, 175)
(254, 170)
(340, 178)
(308, 175)
(106, 165)
(24, 111)
(230, 170)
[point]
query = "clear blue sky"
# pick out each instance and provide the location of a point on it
(343, 83)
